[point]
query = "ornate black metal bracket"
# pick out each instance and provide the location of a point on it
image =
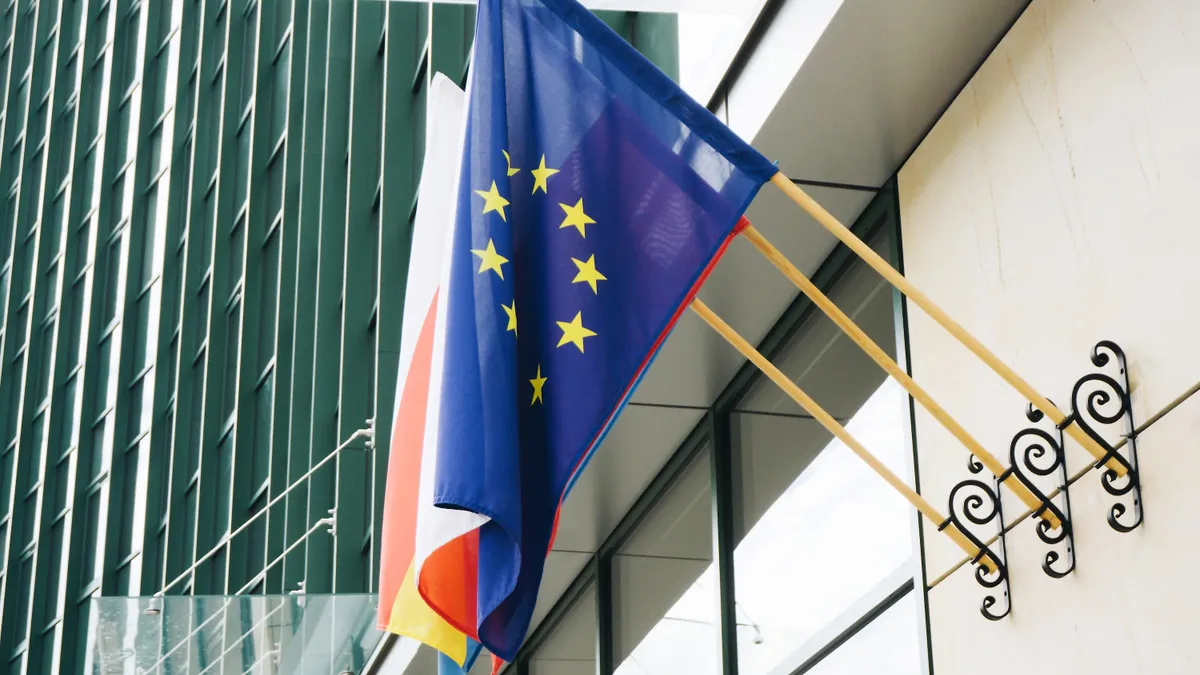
(1098, 401)
(1037, 452)
(973, 501)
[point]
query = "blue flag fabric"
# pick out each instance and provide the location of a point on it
(594, 197)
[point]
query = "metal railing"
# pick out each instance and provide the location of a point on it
(368, 433)
(327, 522)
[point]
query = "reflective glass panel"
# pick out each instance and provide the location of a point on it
(816, 529)
(299, 634)
(665, 617)
(571, 648)
(889, 645)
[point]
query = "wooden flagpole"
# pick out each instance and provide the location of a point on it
(888, 364)
(829, 222)
(834, 427)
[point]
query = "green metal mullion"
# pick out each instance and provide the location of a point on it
(62, 408)
(9, 242)
(241, 567)
(292, 160)
(451, 41)
(23, 544)
(307, 257)
(86, 215)
(7, 62)
(146, 576)
(128, 432)
(656, 35)
(319, 554)
(180, 553)
(353, 488)
(397, 188)
(169, 437)
(110, 229)
(10, 190)
(213, 418)
(61, 129)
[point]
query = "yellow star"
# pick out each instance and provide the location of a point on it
(493, 201)
(540, 175)
(574, 332)
(576, 217)
(490, 260)
(512, 316)
(588, 273)
(511, 170)
(537, 382)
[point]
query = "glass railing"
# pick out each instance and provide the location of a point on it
(293, 634)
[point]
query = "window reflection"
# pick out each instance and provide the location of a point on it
(571, 648)
(708, 42)
(835, 532)
(665, 586)
(889, 645)
(815, 528)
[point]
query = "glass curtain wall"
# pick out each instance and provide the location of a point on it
(198, 274)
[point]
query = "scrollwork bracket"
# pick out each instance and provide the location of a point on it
(1100, 401)
(1036, 452)
(975, 502)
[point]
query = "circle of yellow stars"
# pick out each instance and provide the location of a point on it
(574, 332)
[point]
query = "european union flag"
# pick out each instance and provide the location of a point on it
(594, 197)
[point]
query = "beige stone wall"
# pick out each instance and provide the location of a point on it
(1055, 204)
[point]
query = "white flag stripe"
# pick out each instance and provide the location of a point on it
(438, 203)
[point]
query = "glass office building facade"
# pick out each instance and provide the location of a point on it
(206, 219)
(204, 238)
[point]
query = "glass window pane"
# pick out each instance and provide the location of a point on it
(141, 333)
(132, 33)
(815, 528)
(571, 647)
(23, 589)
(36, 455)
(134, 422)
(126, 540)
(665, 616)
(224, 482)
(801, 494)
(243, 166)
(890, 644)
(90, 537)
(86, 180)
(213, 120)
(106, 383)
(50, 601)
(112, 279)
(268, 301)
(71, 414)
(248, 56)
(101, 449)
(826, 363)
(151, 232)
(282, 81)
(7, 460)
(232, 336)
(155, 152)
(264, 399)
